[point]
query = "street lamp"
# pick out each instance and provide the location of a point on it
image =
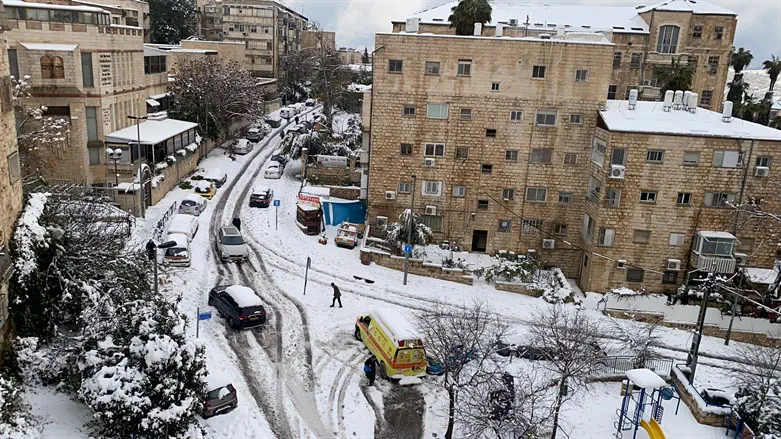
(116, 155)
(151, 252)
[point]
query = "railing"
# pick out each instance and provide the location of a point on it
(619, 365)
(157, 234)
(6, 264)
(713, 264)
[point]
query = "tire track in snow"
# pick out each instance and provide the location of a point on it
(336, 405)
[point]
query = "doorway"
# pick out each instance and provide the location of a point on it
(479, 240)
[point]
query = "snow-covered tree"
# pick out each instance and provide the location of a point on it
(509, 271)
(758, 399)
(15, 420)
(398, 232)
(295, 73)
(641, 339)
(171, 20)
(329, 82)
(312, 142)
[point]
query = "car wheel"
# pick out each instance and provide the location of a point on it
(210, 302)
(357, 333)
(232, 323)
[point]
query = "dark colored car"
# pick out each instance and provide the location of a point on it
(433, 367)
(533, 353)
(273, 123)
(220, 400)
(261, 197)
(239, 305)
(279, 158)
(506, 350)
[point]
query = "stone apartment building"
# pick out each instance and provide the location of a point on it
(268, 29)
(646, 38)
(124, 12)
(317, 39)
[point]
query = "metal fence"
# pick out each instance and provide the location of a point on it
(619, 365)
(160, 227)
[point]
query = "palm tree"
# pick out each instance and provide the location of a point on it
(741, 59)
(468, 12)
(678, 77)
(773, 67)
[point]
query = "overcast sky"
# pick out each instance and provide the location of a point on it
(356, 21)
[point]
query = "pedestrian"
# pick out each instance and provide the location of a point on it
(237, 223)
(337, 296)
(370, 369)
(296, 120)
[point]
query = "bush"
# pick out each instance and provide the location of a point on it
(509, 271)
(15, 421)
(186, 185)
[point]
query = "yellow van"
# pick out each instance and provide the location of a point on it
(394, 341)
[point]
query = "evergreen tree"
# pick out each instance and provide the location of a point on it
(365, 58)
(468, 12)
(678, 77)
(171, 21)
(399, 231)
(773, 67)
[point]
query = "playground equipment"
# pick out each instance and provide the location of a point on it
(653, 390)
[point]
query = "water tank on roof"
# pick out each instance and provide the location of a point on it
(668, 100)
(632, 98)
(693, 101)
(726, 112)
(678, 100)
(499, 29)
(478, 29)
(686, 95)
(413, 25)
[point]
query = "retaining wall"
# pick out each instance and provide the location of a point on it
(416, 266)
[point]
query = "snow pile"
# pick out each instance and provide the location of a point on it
(624, 291)
(181, 152)
(192, 147)
(161, 165)
(29, 235)
(15, 422)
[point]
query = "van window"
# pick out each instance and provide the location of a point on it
(409, 355)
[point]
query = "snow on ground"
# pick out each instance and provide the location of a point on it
(60, 416)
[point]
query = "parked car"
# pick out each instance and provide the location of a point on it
(287, 113)
(310, 102)
(254, 135)
(506, 350)
(178, 255)
(240, 306)
(279, 158)
(243, 146)
(192, 204)
(434, 367)
(346, 235)
(186, 225)
(219, 400)
(534, 353)
(273, 171)
(230, 244)
(205, 188)
(215, 175)
(273, 123)
(261, 197)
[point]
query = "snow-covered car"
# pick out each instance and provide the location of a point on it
(261, 197)
(186, 225)
(230, 244)
(434, 367)
(205, 188)
(192, 204)
(220, 400)
(347, 235)
(239, 305)
(287, 113)
(243, 146)
(215, 175)
(279, 158)
(298, 107)
(310, 102)
(273, 171)
(273, 123)
(179, 254)
(256, 134)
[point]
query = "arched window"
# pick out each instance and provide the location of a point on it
(58, 69)
(46, 67)
(668, 39)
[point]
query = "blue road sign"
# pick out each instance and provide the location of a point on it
(205, 315)
(276, 203)
(407, 248)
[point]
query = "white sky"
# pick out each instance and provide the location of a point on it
(356, 21)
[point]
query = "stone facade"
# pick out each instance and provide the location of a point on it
(125, 12)
(318, 39)
(415, 266)
(349, 56)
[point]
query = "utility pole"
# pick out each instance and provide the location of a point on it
(708, 288)
(409, 230)
(142, 189)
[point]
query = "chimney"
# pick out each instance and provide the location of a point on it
(677, 100)
(499, 29)
(668, 100)
(478, 29)
(632, 98)
(726, 112)
(693, 101)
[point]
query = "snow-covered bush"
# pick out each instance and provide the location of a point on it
(397, 233)
(763, 414)
(508, 271)
(15, 421)
(49, 365)
(312, 142)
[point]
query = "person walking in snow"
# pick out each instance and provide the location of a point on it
(237, 223)
(337, 296)
(370, 369)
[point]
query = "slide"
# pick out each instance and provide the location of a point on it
(653, 429)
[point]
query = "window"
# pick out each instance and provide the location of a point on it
(494, 86)
(511, 155)
(538, 72)
(432, 188)
(546, 118)
(763, 161)
(406, 149)
(52, 67)
(92, 123)
(404, 188)
(437, 111)
(691, 158)
(745, 245)
(565, 197)
(464, 67)
(581, 75)
(588, 227)
(635, 274)
(611, 91)
(616, 60)
(516, 116)
(706, 97)
(486, 168)
(598, 148)
(635, 62)
(433, 222)
(713, 64)
(508, 194)
(432, 68)
(728, 159)
(718, 199)
(641, 236)
(87, 79)
(409, 110)
(684, 199)
(717, 246)
(606, 237)
(594, 188)
(435, 149)
(570, 159)
(154, 64)
(654, 156)
(560, 229)
(536, 194)
(531, 226)
(465, 114)
(670, 277)
(14, 167)
(697, 31)
(13, 61)
(482, 204)
(718, 32)
(462, 153)
(395, 65)
(691, 62)
(668, 39)
(490, 132)
(647, 197)
(505, 225)
(618, 156)
(576, 119)
(613, 197)
(541, 156)
(676, 239)
(459, 191)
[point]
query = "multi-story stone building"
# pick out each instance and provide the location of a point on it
(124, 12)
(348, 56)
(267, 28)
(646, 38)
(318, 39)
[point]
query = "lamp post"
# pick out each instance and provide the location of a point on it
(140, 175)
(151, 252)
(116, 155)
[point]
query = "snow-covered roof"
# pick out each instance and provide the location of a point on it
(693, 6)
(764, 276)
(260, 190)
(623, 19)
(160, 96)
(649, 117)
(195, 197)
(49, 46)
(180, 240)
(244, 296)
(154, 51)
(319, 191)
(152, 103)
(152, 131)
(128, 187)
(23, 4)
(645, 378)
(358, 88)
(710, 234)
(181, 223)
(396, 323)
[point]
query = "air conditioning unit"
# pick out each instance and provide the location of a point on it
(382, 221)
(431, 210)
(674, 264)
(620, 263)
(531, 254)
(513, 22)
(390, 195)
(761, 171)
(617, 172)
(740, 259)
(429, 162)
(548, 244)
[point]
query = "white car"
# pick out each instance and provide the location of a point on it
(178, 255)
(273, 171)
(230, 245)
(243, 146)
(187, 225)
(310, 102)
(192, 204)
(287, 113)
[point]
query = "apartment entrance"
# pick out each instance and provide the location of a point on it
(479, 240)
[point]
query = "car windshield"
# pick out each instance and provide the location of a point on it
(176, 251)
(188, 203)
(262, 196)
(215, 394)
(232, 240)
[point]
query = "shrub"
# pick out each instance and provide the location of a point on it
(186, 185)
(509, 271)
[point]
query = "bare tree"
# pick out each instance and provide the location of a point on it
(296, 70)
(570, 338)
(639, 338)
(464, 341)
(759, 393)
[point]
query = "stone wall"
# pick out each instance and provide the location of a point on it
(183, 167)
(320, 175)
(345, 192)
(703, 417)
(525, 289)
(416, 266)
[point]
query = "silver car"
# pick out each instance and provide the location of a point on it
(230, 245)
(243, 146)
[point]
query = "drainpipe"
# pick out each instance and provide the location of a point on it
(371, 129)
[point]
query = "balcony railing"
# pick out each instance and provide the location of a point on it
(664, 58)
(6, 264)
(713, 264)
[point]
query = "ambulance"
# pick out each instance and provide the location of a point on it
(394, 341)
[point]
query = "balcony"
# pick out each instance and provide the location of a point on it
(656, 58)
(712, 264)
(712, 252)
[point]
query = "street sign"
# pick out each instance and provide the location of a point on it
(276, 203)
(205, 315)
(407, 248)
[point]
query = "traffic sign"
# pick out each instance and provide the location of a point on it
(205, 315)
(407, 248)
(276, 203)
